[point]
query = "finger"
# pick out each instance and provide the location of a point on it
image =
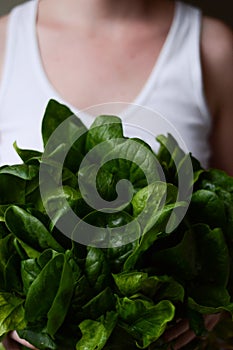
(184, 339)
(14, 335)
(174, 332)
(10, 344)
(211, 321)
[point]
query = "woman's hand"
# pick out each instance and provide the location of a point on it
(181, 334)
(12, 342)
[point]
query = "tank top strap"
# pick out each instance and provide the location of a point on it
(194, 55)
(183, 57)
(191, 36)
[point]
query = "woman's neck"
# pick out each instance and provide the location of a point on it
(94, 12)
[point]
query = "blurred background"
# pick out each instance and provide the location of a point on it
(215, 8)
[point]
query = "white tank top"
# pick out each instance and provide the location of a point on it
(174, 89)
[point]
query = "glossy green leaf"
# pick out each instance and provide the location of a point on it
(100, 304)
(27, 156)
(44, 287)
(21, 171)
(144, 321)
(97, 269)
(61, 302)
(103, 128)
(29, 229)
(9, 266)
(11, 313)
(12, 189)
(38, 338)
(96, 333)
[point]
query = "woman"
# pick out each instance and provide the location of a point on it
(148, 52)
(155, 53)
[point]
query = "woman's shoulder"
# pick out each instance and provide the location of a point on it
(217, 57)
(217, 37)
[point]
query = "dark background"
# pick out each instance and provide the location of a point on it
(222, 9)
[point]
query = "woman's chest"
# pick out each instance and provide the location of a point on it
(93, 70)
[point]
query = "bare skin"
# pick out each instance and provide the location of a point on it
(12, 341)
(181, 334)
(107, 36)
(217, 57)
(126, 45)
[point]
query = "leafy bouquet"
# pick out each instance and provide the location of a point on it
(89, 261)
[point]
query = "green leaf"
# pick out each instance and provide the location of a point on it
(121, 296)
(96, 333)
(44, 287)
(206, 207)
(130, 283)
(217, 294)
(59, 203)
(100, 304)
(220, 179)
(45, 257)
(115, 170)
(22, 171)
(127, 342)
(221, 185)
(118, 229)
(29, 229)
(144, 321)
(3, 230)
(178, 261)
(116, 256)
(97, 269)
(27, 156)
(170, 156)
(148, 238)
(66, 135)
(83, 293)
(61, 302)
(163, 287)
(103, 128)
(13, 281)
(29, 271)
(202, 255)
(210, 295)
(12, 189)
(130, 310)
(33, 196)
(38, 338)
(196, 322)
(213, 255)
(150, 201)
(55, 114)
(29, 251)
(11, 313)
(156, 287)
(9, 266)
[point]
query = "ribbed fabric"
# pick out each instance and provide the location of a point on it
(174, 89)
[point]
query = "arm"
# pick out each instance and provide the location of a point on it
(217, 62)
(217, 65)
(12, 342)
(182, 335)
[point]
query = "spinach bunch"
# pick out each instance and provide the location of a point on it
(61, 294)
